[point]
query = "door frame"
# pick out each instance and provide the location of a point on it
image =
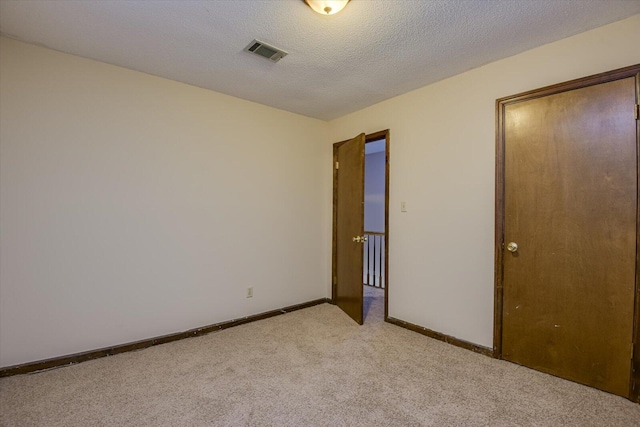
(622, 73)
(376, 136)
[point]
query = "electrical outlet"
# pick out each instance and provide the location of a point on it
(250, 292)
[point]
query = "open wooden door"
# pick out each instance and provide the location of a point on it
(569, 231)
(349, 226)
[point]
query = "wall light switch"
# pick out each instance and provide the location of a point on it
(403, 206)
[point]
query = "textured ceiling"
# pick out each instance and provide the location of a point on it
(371, 51)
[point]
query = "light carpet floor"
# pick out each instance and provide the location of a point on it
(313, 367)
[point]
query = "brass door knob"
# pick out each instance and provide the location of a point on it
(356, 239)
(512, 247)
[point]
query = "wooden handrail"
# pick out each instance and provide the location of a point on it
(373, 265)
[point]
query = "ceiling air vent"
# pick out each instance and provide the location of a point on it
(265, 50)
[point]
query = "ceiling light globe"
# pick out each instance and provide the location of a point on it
(327, 7)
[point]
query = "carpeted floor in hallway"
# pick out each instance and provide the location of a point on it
(313, 367)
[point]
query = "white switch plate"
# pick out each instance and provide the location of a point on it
(403, 206)
(250, 292)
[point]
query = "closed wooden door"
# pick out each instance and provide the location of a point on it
(349, 226)
(570, 214)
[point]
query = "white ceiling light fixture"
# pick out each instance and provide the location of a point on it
(326, 7)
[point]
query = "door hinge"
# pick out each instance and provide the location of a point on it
(335, 280)
(337, 165)
(637, 111)
(632, 352)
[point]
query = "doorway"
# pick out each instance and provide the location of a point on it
(567, 231)
(361, 226)
(375, 164)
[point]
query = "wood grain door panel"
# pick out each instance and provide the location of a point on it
(349, 224)
(570, 203)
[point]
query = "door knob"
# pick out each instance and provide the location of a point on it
(356, 239)
(512, 247)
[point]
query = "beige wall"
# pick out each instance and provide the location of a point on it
(442, 165)
(133, 206)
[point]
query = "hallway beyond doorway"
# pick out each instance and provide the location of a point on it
(373, 304)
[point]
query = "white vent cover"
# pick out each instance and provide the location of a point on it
(265, 50)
